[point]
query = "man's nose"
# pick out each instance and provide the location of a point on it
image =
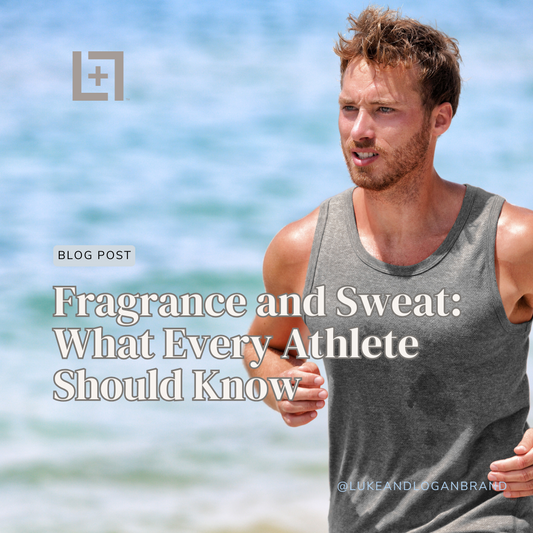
(363, 127)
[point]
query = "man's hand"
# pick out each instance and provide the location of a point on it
(308, 397)
(516, 472)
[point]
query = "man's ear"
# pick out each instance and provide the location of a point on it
(441, 118)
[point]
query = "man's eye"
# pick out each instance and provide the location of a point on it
(349, 108)
(386, 110)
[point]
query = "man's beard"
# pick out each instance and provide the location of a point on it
(400, 162)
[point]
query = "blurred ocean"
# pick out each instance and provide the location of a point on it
(227, 133)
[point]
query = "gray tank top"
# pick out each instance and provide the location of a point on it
(426, 376)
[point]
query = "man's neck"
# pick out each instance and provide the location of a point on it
(407, 223)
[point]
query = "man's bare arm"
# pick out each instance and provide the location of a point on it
(284, 272)
(514, 262)
(514, 270)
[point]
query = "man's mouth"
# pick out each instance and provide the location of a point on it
(362, 159)
(365, 155)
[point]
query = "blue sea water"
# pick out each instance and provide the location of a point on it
(227, 133)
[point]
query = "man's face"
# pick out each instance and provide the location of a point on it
(384, 128)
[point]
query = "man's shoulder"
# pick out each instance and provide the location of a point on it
(297, 237)
(515, 232)
(286, 259)
(514, 247)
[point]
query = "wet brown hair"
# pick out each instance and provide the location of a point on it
(385, 38)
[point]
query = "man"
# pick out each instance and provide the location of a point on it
(422, 299)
